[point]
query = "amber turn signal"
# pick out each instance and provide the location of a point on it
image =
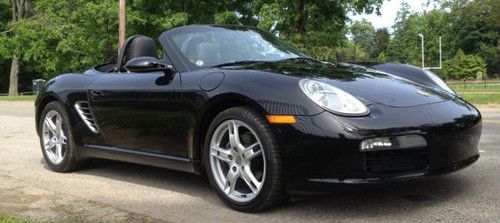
(281, 119)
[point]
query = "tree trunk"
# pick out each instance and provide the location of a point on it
(301, 25)
(354, 54)
(14, 75)
(20, 10)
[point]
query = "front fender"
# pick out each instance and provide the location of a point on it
(67, 89)
(275, 93)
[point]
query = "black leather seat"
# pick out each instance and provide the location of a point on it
(136, 46)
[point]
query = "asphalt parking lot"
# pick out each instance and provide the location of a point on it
(113, 191)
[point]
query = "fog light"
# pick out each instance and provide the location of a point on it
(375, 144)
(393, 143)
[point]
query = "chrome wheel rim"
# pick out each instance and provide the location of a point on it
(237, 160)
(53, 138)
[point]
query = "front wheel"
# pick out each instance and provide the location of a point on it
(243, 161)
(56, 138)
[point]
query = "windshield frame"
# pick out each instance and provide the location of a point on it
(182, 63)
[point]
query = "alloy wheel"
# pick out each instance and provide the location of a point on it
(237, 160)
(53, 137)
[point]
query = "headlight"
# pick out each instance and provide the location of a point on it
(438, 81)
(332, 98)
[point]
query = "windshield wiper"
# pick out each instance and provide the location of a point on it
(246, 62)
(298, 59)
(237, 63)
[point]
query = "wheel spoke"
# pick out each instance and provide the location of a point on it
(49, 144)
(231, 178)
(50, 124)
(63, 138)
(249, 152)
(59, 155)
(221, 154)
(250, 179)
(58, 124)
(234, 135)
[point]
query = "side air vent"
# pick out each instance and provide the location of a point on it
(83, 109)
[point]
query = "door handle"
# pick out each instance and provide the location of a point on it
(96, 95)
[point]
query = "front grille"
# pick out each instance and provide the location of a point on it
(396, 161)
(83, 109)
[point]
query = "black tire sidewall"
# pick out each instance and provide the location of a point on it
(272, 182)
(69, 162)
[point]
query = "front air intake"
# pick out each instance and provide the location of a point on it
(396, 161)
(83, 109)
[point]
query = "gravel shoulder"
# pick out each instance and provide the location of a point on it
(22, 199)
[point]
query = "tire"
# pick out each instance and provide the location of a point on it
(67, 161)
(261, 159)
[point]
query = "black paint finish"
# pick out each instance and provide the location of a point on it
(160, 119)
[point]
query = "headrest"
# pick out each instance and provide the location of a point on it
(136, 46)
(141, 46)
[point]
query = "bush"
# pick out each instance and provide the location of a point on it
(464, 66)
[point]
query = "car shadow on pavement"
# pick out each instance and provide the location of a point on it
(357, 201)
(384, 199)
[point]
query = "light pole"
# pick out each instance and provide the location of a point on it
(122, 23)
(423, 55)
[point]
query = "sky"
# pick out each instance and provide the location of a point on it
(389, 10)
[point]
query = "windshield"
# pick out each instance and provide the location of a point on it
(224, 45)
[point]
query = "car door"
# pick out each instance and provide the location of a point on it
(141, 112)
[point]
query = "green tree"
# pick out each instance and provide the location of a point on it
(464, 66)
(475, 27)
(352, 53)
(382, 41)
(62, 38)
(470, 25)
(364, 36)
(5, 17)
(21, 10)
(5, 14)
(316, 26)
(405, 47)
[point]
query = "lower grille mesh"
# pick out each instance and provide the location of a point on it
(396, 161)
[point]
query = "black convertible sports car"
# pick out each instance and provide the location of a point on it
(256, 115)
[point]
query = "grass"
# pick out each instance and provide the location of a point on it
(18, 98)
(478, 99)
(476, 87)
(9, 219)
(478, 93)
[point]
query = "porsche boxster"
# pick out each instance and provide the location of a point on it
(256, 115)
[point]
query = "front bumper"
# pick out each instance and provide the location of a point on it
(325, 148)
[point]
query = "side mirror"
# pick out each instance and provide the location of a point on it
(148, 64)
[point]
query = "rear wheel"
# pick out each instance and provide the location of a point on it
(243, 161)
(56, 138)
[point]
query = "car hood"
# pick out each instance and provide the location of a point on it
(367, 84)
